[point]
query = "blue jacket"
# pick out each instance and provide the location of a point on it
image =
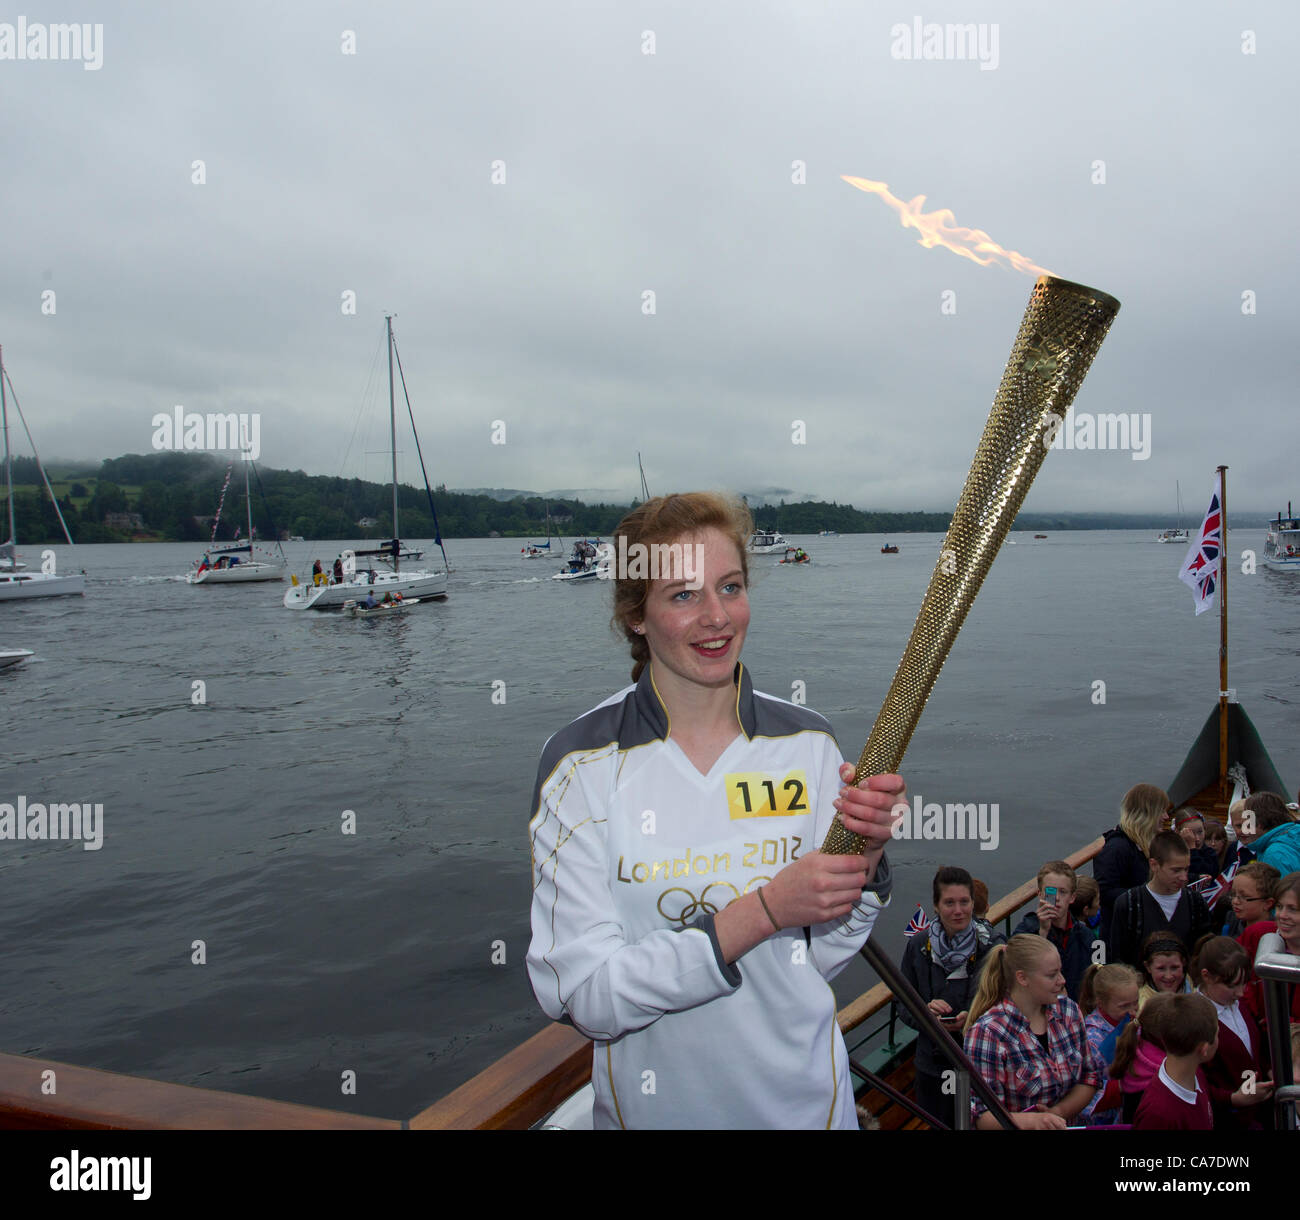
(1280, 847)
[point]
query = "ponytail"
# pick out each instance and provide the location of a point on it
(1145, 1026)
(1101, 982)
(990, 990)
(1001, 965)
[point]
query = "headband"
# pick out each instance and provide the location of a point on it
(1168, 944)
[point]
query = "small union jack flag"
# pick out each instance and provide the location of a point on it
(919, 922)
(1201, 564)
(1214, 891)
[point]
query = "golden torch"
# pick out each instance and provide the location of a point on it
(1062, 329)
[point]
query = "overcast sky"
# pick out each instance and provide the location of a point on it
(673, 173)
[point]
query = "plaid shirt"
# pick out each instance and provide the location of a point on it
(1021, 1074)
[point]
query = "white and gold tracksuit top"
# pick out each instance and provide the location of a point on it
(634, 851)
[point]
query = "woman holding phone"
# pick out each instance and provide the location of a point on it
(943, 964)
(682, 917)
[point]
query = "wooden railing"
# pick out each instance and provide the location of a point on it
(514, 1093)
(38, 1094)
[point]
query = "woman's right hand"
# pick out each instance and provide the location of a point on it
(815, 888)
(1039, 1120)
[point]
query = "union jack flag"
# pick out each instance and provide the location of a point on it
(919, 922)
(1201, 565)
(1213, 890)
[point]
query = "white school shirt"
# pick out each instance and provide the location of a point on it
(634, 851)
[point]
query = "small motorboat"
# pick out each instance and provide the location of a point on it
(14, 656)
(356, 609)
(1040, 535)
(767, 542)
(795, 554)
(591, 560)
(888, 550)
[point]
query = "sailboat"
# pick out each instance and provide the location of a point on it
(226, 565)
(332, 594)
(542, 550)
(15, 582)
(1179, 534)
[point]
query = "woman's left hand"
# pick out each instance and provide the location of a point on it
(867, 809)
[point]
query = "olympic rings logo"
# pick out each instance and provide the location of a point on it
(688, 905)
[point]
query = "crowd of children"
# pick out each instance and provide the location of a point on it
(1127, 1001)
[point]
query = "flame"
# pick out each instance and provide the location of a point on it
(937, 229)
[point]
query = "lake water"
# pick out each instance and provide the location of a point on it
(372, 952)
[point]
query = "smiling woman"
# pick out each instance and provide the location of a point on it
(680, 908)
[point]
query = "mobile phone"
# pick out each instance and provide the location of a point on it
(1049, 894)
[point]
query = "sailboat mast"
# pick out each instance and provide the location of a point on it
(392, 426)
(1223, 635)
(9, 469)
(248, 501)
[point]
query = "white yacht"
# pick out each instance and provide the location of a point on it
(15, 581)
(329, 593)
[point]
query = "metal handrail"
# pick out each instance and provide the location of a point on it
(1278, 971)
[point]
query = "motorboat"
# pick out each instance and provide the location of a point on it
(591, 560)
(14, 656)
(767, 542)
(355, 609)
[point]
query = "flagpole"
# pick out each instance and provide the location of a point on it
(1224, 791)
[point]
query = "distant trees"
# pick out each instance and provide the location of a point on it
(176, 495)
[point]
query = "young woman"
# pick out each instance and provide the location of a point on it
(1027, 1040)
(1122, 862)
(943, 964)
(683, 918)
